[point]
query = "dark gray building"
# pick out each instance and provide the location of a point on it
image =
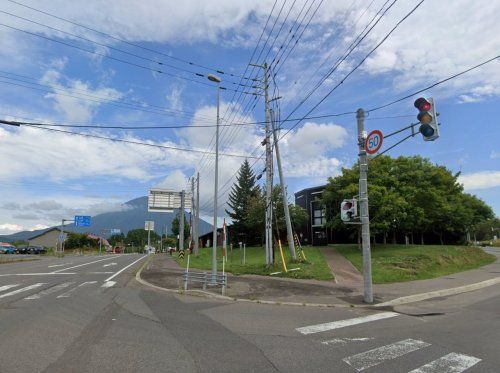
(314, 232)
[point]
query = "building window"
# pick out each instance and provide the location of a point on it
(319, 214)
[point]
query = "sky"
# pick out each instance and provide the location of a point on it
(145, 63)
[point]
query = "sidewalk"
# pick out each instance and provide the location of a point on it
(164, 272)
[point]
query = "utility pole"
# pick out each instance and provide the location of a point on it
(197, 218)
(181, 223)
(363, 201)
(193, 214)
(149, 236)
(289, 232)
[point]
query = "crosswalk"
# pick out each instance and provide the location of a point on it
(452, 362)
(41, 289)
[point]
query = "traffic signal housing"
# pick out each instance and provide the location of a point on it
(348, 210)
(427, 117)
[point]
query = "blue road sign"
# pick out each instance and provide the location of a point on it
(82, 221)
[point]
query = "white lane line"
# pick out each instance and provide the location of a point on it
(69, 292)
(101, 273)
(59, 265)
(344, 341)
(48, 291)
(108, 284)
(81, 265)
(451, 363)
(27, 288)
(7, 287)
(38, 274)
(343, 323)
(378, 355)
(124, 268)
(110, 264)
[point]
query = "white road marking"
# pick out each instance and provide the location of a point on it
(108, 284)
(7, 287)
(59, 265)
(48, 291)
(124, 268)
(109, 264)
(100, 273)
(69, 292)
(38, 274)
(344, 341)
(81, 265)
(27, 288)
(376, 356)
(451, 363)
(343, 323)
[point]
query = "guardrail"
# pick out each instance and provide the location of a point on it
(205, 279)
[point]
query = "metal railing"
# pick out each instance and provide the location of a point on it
(205, 279)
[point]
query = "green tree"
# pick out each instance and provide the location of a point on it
(139, 237)
(238, 200)
(256, 212)
(116, 239)
(175, 227)
(408, 196)
(79, 241)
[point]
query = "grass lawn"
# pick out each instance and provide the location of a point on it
(396, 263)
(315, 268)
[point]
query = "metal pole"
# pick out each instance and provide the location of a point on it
(289, 232)
(269, 175)
(149, 235)
(364, 215)
(181, 223)
(193, 214)
(61, 241)
(197, 218)
(216, 190)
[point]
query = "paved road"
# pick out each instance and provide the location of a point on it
(75, 319)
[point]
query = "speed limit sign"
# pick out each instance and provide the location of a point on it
(374, 141)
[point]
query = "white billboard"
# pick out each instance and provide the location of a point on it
(164, 200)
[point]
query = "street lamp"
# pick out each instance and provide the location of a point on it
(215, 79)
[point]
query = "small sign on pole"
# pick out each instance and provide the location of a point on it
(149, 225)
(374, 141)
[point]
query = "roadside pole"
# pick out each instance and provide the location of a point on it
(193, 216)
(197, 218)
(289, 232)
(181, 224)
(149, 236)
(364, 215)
(269, 175)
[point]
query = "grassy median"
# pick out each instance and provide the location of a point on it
(314, 268)
(396, 263)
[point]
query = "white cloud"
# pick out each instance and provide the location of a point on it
(176, 180)
(66, 101)
(480, 180)
(174, 99)
(494, 154)
(10, 228)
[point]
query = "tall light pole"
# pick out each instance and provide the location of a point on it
(217, 80)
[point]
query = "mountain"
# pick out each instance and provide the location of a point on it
(132, 216)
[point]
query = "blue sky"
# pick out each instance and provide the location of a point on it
(48, 175)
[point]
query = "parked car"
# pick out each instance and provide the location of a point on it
(22, 249)
(4, 249)
(36, 250)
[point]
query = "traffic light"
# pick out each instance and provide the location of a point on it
(348, 210)
(427, 117)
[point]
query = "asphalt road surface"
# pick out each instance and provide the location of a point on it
(88, 314)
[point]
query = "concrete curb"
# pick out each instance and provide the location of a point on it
(439, 293)
(395, 302)
(206, 294)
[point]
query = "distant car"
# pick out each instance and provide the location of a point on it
(36, 250)
(23, 249)
(7, 249)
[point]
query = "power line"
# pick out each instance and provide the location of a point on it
(359, 64)
(137, 65)
(435, 84)
(98, 99)
(127, 42)
(33, 123)
(17, 124)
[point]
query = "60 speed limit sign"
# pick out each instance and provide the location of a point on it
(374, 141)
